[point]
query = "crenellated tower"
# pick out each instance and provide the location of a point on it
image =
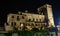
(47, 11)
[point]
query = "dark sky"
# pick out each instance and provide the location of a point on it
(30, 5)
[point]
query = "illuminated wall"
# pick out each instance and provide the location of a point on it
(30, 20)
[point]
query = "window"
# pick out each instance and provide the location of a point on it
(18, 18)
(14, 23)
(7, 24)
(25, 24)
(36, 19)
(40, 20)
(33, 19)
(20, 24)
(32, 24)
(29, 19)
(22, 17)
(28, 24)
(11, 23)
(12, 16)
(36, 25)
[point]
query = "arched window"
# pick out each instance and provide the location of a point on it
(29, 19)
(22, 17)
(12, 16)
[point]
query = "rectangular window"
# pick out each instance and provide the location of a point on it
(40, 20)
(37, 20)
(33, 19)
(7, 24)
(18, 18)
(36, 24)
(32, 24)
(13, 23)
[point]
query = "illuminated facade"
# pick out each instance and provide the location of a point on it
(29, 21)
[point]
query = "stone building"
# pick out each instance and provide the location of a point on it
(29, 21)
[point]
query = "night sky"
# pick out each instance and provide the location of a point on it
(7, 7)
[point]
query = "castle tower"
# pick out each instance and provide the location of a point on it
(47, 11)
